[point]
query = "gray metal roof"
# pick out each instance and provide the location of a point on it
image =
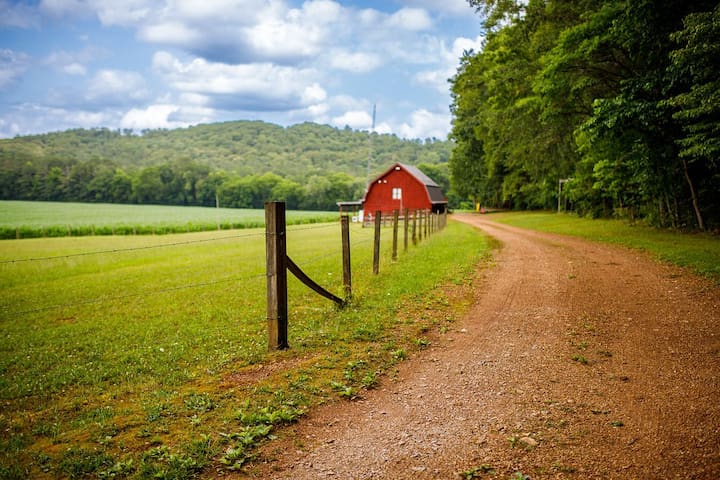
(417, 173)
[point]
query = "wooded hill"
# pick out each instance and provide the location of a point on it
(244, 163)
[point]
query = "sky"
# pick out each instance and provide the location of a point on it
(148, 64)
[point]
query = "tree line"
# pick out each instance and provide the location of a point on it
(234, 164)
(179, 183)
(609, 108)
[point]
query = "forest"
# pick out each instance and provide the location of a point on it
(233, 164)
(607, 108)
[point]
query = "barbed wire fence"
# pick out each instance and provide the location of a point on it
(8, 310)
(361, 237)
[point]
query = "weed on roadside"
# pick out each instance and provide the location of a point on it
(477, 472)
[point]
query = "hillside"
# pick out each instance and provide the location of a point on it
(192, 166)
(242, 147)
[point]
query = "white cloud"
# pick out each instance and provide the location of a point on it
(425, 124)
(166, 115)
(74, 69)
(154, 116)
(246, 31)
(359, 62)
(454, 7)
(172, 33)
(116, 86)
(448, 61)
(356, 119)
(12, 66)
(261, 86)
(410, 19)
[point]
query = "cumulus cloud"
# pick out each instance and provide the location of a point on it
(319, 60)
(246, 31)
(448, 61)
(453, 7)
(259, 86)
(358, 62)
(410, 19)
(356, 119)
(425, 124)
(74, 69)
(154, 116)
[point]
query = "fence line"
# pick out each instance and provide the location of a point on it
(430, 226)
(279, 263)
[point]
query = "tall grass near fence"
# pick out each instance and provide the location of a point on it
(20, 219)
(146, 357)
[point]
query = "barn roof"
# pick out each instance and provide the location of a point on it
(417, 173)
(433, 189)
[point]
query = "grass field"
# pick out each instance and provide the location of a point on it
(146, 356)
(699, 252)
(54, 219)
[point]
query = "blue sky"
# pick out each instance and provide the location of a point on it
(136, 64)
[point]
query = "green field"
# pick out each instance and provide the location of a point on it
(55, 219)
(699, 251)
(146, 356)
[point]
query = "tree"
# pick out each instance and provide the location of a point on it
(696, 73)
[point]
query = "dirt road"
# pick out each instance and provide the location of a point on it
(578, 360)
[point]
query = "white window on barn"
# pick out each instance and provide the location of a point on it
(397, 193)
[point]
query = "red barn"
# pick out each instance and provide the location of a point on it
(403, 186)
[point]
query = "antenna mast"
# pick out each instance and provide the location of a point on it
(370, 147)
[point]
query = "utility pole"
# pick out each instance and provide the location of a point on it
(370, 148)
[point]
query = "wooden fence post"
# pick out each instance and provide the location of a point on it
(414, 227)
(275, 248)
(347, 277)
(396, 215)
(420, 225)
(376, 249)
(406, 214)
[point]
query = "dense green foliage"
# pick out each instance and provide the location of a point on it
(238, 164)
(618, 97)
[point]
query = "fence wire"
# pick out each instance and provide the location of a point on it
(107, 299)
(366, 237)
(129, 249)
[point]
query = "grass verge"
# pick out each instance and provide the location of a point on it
(166, 373)
(697, 251)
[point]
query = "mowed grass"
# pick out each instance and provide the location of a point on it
(697, 251)
(20, 219)
(146, 357)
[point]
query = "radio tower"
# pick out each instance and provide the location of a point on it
(370, 148)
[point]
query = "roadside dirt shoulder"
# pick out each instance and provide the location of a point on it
(578, 360)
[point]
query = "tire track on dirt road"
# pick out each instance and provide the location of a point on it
(577, 360)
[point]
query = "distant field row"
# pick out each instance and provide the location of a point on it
(20, 219)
